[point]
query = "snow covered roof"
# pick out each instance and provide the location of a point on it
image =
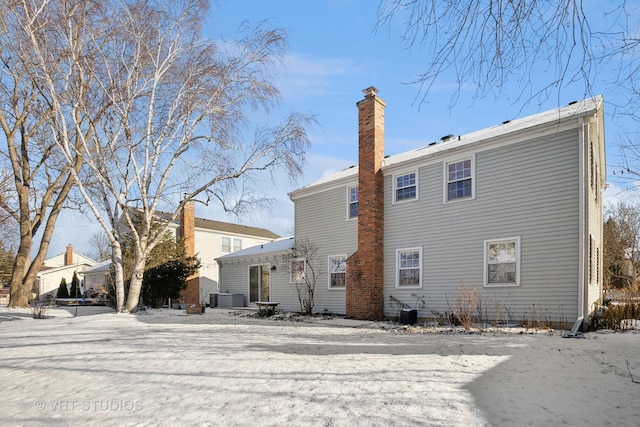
(551, 117)
(71, 267)
(547, 118)
(224, 227)
(279, 245)
(100, 267)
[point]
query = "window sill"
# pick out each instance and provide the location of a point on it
(501, 285)
(461, 200)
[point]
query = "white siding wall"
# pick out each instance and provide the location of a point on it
(234, 278)
(322, 219)
(593, 183)
(208, 248)
(528, 190)
(49, 280)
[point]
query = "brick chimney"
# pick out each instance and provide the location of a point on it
(365, 279)
(187, 232)
(68, 255)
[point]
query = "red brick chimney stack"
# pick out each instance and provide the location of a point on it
(365, 274)
(187, 232)
(68, 255)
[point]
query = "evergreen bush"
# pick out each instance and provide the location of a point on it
(63, 292)
(74, 292)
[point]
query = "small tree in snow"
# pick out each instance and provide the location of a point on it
(167, 280)
(304, 273)
(74, 292)
(63, 292)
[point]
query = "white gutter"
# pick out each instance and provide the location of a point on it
(582, 241)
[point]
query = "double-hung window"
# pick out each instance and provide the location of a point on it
(337, 272)
(237, 245)
(225, 244)
(353, 202)
(409, 268)
(502, 262)
(459, 179)
(297, 270)
(405, 187)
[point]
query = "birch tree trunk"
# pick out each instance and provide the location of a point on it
(158, 113)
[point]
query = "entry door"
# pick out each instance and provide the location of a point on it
(259, 282)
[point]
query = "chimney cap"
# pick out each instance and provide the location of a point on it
(370, 91)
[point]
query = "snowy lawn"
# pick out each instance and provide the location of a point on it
(166, 368)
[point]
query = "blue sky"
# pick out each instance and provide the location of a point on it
(335, 52)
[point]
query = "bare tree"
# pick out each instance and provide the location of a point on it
(535, 48)
(8, 234)
(41, 180)
(304, 272)
(488, 45)
(162, 112)
(621, 250)
(101, 246)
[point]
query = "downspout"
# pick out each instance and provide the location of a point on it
(582, 242)
(575, 330)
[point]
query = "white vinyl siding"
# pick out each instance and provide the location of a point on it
(539, 203)
(320, 219)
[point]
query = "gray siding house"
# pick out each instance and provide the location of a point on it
(511, 214)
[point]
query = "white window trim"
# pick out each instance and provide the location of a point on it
(349, 218)
(395, 186)
(329, 287)
(445, 179)
(485, 261)
(304, 270)
(233, 244)
(230, 245)
(417, 248)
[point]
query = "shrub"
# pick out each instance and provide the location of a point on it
(39, 310)
(74, 292)
(615, 313)
(465, 305)
(63, 292)
(167, 280)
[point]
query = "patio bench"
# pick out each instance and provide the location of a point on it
(266, 307)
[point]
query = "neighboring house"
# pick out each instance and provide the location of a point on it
(209, 239)
(97, 277)
(56, 268)
(513, 212)
(260, 273)
(205, 238)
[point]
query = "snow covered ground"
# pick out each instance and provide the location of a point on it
(222, 369)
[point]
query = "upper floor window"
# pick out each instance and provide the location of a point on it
(225, 244)
(353, 202)
(237, 245)
(405, 187)
(409, 268)
(459, 179)
(337, 271)
(502, 262)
